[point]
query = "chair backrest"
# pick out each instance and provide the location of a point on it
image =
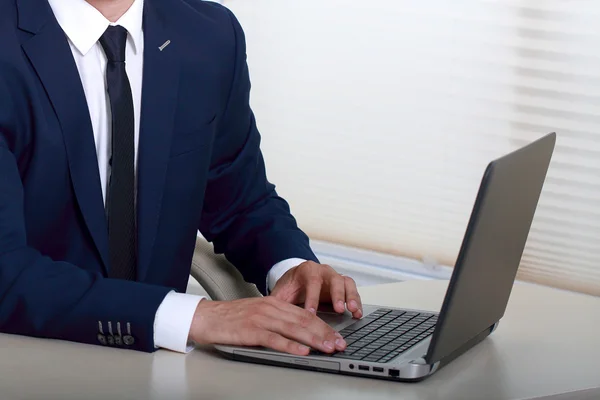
(220, 279)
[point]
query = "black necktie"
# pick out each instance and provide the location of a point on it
(120, 204)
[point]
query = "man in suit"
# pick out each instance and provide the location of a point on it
(125, 127)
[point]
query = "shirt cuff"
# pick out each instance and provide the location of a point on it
(280, 269)
(173, 321)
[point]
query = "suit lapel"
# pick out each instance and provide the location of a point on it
(50, 54)
(159, 99)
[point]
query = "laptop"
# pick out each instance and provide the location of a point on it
(411, 345)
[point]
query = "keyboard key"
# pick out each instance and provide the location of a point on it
(381, 312)
(380, 353)
(377, 313)
(363, 350)
(371, 358)
(371, 316)
(358, 324)
(396, 312)
(381, 341)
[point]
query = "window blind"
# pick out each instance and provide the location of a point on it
(378, 119)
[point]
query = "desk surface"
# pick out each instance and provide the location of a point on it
(546, 346)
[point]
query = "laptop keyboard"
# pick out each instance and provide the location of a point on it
(384, 334)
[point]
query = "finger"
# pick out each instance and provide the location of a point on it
(307, 321)
(302, 335)
(353, 300)
(316, 325)
(277, 342)
(313, 293)
(337, 289)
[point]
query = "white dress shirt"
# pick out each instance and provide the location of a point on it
(83, 26)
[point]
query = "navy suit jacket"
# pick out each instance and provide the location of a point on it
(200, 168)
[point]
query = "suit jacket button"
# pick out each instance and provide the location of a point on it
(118, 340)
(110, 339)
(128, 340)
(102, 339)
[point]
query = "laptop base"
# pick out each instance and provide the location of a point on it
(407, 371)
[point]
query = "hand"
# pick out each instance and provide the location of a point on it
(310, 283)
(265, 321)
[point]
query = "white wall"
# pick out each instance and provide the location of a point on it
(378, 118)
(339, 84)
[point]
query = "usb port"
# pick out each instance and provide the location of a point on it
(363, 367)
(377, 369)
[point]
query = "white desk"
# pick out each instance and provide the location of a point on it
(547, 346)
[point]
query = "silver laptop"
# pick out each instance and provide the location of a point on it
(410, 345)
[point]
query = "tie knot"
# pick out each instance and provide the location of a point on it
(113, 42)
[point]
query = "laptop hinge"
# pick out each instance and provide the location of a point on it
(464, 347)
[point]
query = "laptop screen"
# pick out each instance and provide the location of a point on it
(487, 264)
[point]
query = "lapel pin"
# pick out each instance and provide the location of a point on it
(165, 44)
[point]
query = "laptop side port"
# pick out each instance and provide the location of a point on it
(363, 367)
(394, 373)
(377, 369)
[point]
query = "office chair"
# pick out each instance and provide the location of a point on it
(217, 276)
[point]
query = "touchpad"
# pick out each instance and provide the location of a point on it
(331, 317)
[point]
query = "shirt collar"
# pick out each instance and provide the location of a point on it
(84, 25)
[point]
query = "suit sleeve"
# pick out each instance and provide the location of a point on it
(243, 215)
(42, 297)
